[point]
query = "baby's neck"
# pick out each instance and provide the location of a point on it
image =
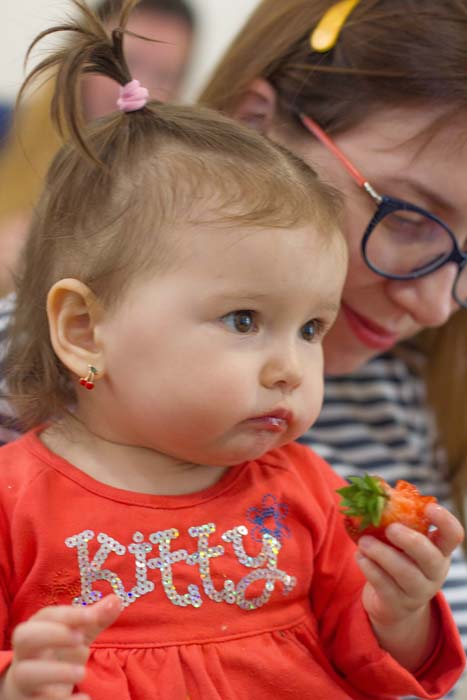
(127, 467)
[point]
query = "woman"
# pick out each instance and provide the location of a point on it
(386, 81)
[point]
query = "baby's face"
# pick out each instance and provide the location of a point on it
(220, 359)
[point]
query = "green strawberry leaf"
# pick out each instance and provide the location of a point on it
(364, 498)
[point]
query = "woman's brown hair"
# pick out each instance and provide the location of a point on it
(117, 191)
(390, 53)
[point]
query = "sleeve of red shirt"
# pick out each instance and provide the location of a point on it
(345, 630)
(6, 568)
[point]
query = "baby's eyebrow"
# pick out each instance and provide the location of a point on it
(321, 305)
(243, 294)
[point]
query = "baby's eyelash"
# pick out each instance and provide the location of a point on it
(313, 330)
(241, 321)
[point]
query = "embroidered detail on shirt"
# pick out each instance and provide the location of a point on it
(60, 587)
(269, 519)
(264, 567)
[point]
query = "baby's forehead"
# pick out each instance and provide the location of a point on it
(213, 237)
(229, 252)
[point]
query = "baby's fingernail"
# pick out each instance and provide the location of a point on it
(78, 637)
(434, 507)
(111, 604)
(365, 543)
(78, 673)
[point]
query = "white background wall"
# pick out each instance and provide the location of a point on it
(21, 20)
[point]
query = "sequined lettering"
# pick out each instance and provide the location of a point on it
(263, 567)
(91, 570)
(164, 562)
(202, 558)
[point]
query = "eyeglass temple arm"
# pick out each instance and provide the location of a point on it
(321, 135)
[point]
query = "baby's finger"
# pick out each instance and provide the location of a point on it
(71, 615)
(100, 616)
(387, 595)
(32, 637)
(429, 560)
(28, 676)
(407, 579)
(449, 533)
(57, 692)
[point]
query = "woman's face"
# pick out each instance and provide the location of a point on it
(397, 156)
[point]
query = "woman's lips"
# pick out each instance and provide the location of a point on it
(368, 332)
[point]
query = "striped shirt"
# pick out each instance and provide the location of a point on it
(7, 428)
(376, 420)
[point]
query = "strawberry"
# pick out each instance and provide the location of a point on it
(370, 505)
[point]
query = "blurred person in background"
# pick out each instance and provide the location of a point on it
(29, 147)
(159, 65)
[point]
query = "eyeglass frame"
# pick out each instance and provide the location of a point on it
(387, 205)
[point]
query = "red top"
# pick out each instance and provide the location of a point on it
(246, 590)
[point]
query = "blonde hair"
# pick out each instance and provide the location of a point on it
(117, 191)
(389, 53)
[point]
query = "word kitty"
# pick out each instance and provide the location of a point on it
(264, 567)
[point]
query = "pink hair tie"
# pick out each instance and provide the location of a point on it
(132, 97)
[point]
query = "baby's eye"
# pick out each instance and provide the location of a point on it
(241, 321)
(311, 329)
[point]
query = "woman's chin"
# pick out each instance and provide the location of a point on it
(342, 361)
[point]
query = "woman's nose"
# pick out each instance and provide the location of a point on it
(428, 300)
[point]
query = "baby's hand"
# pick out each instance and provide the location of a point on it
(50, 650)
(402, 580)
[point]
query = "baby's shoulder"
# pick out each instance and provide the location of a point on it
(19, 465)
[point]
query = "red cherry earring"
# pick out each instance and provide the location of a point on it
(88, 380)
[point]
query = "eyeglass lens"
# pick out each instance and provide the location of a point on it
(406, 242)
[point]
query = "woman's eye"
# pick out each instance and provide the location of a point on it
(412, 229)
(311, 329)
(241, 321)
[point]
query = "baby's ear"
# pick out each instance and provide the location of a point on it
(257, 106)
(73, 312)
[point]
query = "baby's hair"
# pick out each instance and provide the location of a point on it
(118, 191)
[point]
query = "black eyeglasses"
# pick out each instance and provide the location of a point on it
(402, 241)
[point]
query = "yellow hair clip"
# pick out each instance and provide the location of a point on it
(326, 33)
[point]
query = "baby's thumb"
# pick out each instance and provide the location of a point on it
(100, 616)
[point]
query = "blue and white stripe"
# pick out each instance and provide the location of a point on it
(376, 420)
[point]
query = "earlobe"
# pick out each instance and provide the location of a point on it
(72, 311)
(257, 107)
